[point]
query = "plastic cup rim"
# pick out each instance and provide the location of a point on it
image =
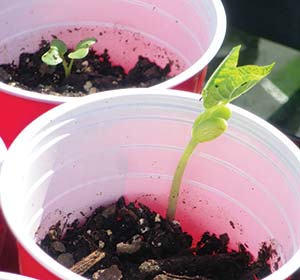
(12, 276)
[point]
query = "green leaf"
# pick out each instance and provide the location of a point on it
(229, 81)
(209, 129)
(79, 54)
(60, 46)
(52, 57)
(86, 43)
(82, 48)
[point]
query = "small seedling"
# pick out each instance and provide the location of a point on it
(57, 51)
(227, 83)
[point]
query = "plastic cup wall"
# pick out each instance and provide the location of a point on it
(11, 276)
(245, 183)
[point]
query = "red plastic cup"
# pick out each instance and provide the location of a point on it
(187, 32)
(90, 152)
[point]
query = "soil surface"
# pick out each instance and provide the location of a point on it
(92, 74)
(131, 242)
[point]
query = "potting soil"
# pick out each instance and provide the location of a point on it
(92, 74)
(131, 242)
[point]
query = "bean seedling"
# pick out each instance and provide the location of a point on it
(58, 49)
(227, 83)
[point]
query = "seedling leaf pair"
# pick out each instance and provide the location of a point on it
(227, 83)
(56, 53)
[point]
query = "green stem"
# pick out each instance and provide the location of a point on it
(175, 188)
(68, 67)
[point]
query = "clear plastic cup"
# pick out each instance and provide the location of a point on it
(187, 32)
(90, 152)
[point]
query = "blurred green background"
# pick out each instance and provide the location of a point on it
(268, 32)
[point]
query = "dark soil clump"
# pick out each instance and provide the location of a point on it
(92, 74)
(131, 242)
